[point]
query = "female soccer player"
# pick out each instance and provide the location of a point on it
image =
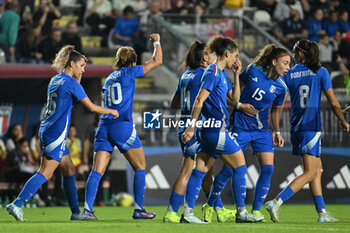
(263, 89)
(63, 92)
(119, 91)
(305, 82)
(216, 141)
(196, 61)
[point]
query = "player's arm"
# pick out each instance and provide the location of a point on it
(276, 114)
(336, 108)
(175, 102)
(236, 93)
(98, 109)
(197, 108)
(157, 58)
(233, 96)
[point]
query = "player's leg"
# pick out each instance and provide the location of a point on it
(136, 158)
(265, 160)
(177, 195)
(101, 160)
(47, 167)
(311, 165)
(203, 164)
(207, 183)
(214, 200)
(316, 192)
(237, 161)
(68, 183)
(262, 145)
(242, 139)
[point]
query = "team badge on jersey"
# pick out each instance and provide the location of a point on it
(272, 89)
(5, 116)
(151, 120)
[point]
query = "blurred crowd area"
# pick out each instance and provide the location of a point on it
(32, 31)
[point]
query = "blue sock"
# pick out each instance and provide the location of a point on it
(219, 185)
(238, 184)
(286, 193)
(91, 189)
(69, 189)
(193, 187)
(262, 186)
(139, 188)
(175, 202)
(29, 189)
(319, 202)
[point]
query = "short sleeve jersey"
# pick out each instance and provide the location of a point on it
(215, 106)
(119, 90)
(187, 90)
(62, 93)
(305, 92)
(261, 92)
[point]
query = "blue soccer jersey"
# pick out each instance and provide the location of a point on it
(119, 92)
(187, 89)
(305, 91)
(62, 93)
(215, 106)
(261, 92)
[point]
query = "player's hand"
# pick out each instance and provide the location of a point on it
(278, 140)
(345, 126)
(237, 66)
(154, 37)
(114, 113)
(248, 109)
(187, 135)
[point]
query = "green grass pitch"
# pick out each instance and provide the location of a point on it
(294, 218)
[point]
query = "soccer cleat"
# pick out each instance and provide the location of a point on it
(15, 211)
(191, 219)
(246, 217)
(258, 213)
(143, 214)
(274, 210)
(207, 213)
(171, 217)
(224, 214)
(326, 217)
(90, 216)
(82, 217)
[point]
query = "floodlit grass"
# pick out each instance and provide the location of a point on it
(294, 218)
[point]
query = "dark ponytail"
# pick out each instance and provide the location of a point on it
(194, 56)
(311, 54)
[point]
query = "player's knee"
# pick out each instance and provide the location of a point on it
(310, 174)
(68, 170)
(267, 170)
(47, 175)
(141, 165)
(185, 173)
(100, 170)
